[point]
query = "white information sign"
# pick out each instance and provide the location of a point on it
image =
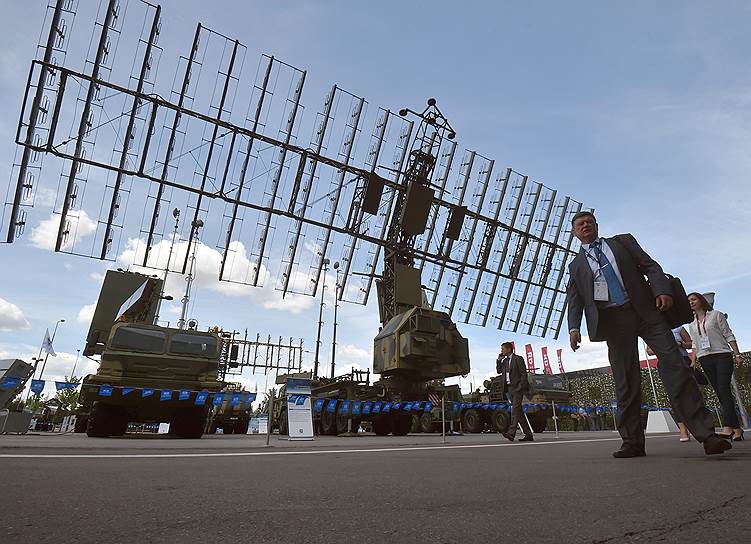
(299, 409)
(263, 424)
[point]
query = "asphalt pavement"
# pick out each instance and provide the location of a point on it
(475, 488)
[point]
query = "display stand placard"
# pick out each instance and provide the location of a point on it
(299, 410)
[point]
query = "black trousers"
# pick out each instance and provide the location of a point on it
(676, 412)
(621, 327)
(719, 370)
(517, 414)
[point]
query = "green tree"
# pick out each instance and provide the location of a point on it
(67, 399)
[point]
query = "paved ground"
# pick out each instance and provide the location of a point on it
(476, 488)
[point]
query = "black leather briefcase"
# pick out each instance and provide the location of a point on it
(680, 313)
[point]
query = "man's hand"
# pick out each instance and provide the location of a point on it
(664, 302)
(575, 339)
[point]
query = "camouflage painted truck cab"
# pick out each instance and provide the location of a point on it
(139, 360)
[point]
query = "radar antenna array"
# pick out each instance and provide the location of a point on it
(491, 245)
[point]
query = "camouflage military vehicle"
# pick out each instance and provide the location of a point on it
(137, 355)
(544, 390)
(231, 419)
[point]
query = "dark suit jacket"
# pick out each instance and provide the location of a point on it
(634, 264)
(519, 382)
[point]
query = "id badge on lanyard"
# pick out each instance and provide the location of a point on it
(601, 290)
(703, 338)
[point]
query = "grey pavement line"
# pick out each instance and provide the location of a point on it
(304, 452)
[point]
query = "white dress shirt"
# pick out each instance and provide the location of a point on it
(715, 328)
(590, 255)
(594, 265)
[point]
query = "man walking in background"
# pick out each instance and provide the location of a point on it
(609, 287)
(514, 386)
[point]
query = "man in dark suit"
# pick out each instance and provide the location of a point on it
(608, 286)
(514, 385)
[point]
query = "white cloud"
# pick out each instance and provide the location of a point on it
(44, 235)
(208, 262)
(86, 313)
(11, 317)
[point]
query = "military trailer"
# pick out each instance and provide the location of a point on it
(137, 356)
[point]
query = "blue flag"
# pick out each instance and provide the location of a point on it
(184, 394)
(105, 391)
(377, 407)
(331, 406)
(166, 394)
(250, 397)
(408, 407)
(366, 406)
(356, 407)
(127, 390)
(386, 407)
(10, 382)
(344, 407)
(428, 406)
(201, 397)
(318, 405)
(37, 386)
(147, 392)
(59, 386)
(218, 399)
(235, 399)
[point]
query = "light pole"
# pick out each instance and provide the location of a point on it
(320, 319)
(52, 341)
(336, 308)
(73, 372)
(197, 224)
(176, 215)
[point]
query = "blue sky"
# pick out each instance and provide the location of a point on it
(639, 109)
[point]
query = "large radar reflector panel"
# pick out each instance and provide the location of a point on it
(138, 155)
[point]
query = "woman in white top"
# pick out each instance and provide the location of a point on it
(714, 346)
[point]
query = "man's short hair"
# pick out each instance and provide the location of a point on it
(584, 213)
(509, 345)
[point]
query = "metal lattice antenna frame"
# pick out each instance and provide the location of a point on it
(287, 207)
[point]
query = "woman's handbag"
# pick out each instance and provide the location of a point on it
(701, 378)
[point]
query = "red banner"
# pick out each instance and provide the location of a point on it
(560, 360)
(530, 358)
(546, 361)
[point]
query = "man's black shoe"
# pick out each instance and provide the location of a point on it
(626, 452)
(714, 445)
(508, 436)
(527, 438)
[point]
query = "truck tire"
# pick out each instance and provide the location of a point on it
(341, 423)
(426, 422)
(241, 426)
(401, 424)
(328, 423)
(81, 424)
(102, 420)
(500, 421)
(472, 421)
(415, 424)
(189, 422)
(382, 426)
(283, 423)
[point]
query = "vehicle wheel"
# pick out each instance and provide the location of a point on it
(415, 424)
(328, 423)
(119, 422)
(401, 424)
(101, 420)
(382, 426)
(189, 422)
(341, 423)
(81, 423)
(472, 421)
(500, 421)
(283, 423)
(538, 422)
(426, 422)
(241, 426)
